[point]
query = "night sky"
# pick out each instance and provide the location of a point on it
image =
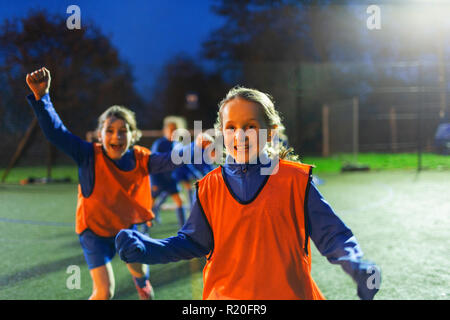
(147, 33)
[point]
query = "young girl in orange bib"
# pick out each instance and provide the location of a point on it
(254, 216)
(114, 190)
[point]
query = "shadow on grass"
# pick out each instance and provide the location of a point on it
(61, 188)
(39, 270)
(170, 273)
(38, 223)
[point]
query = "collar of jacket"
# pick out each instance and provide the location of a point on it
(233, 168)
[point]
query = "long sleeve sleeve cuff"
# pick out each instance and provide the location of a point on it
(45, 99)
(366, 274)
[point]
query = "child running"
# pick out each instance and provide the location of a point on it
(187, 174)
(164, 184)
(254, 227)
(114, 186)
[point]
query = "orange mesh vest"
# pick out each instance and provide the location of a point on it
(259, 249)
(119, 199)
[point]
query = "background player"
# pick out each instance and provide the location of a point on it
(164, 184)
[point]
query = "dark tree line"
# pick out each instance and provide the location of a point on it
(304, 53)
(182, 76)
(310, 52)
(87, 75)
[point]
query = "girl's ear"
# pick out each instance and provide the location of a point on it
(99, 135)
(272, 133)
(134, 136)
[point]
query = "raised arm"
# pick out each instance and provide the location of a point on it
(336, 242)
(49, 121)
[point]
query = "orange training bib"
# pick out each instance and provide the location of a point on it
(259, 247)
(119, 198)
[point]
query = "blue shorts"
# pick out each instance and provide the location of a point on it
(164, 182)
(169, 189)
(97, 250)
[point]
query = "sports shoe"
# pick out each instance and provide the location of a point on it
(145, 293)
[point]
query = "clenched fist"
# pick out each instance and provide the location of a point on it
(130, 245)
(39, 82)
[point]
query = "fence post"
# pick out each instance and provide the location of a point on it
(393, 125)
(325, 131)
(355, 129)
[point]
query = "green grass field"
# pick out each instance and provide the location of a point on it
(380, 161)
(333, 164)
(400, 218)
(39, 243)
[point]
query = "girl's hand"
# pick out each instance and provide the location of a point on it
(203, 140)
(368, 279)
(129, 245)
(39, 82)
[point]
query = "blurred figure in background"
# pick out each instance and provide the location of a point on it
(164, 184)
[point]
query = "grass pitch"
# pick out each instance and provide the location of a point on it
(400, 218)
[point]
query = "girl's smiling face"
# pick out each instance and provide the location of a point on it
(115, 137)
(242, 122)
